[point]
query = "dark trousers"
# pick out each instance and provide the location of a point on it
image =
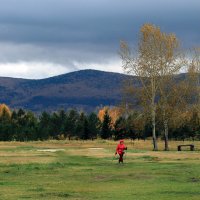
(121, 157)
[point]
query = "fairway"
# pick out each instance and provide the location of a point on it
(87, 170)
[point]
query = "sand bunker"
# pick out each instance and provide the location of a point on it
(50, 150)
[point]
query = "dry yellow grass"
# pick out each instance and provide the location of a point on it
(25, 157)
(27, 152)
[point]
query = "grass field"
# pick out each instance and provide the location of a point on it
(88, 171)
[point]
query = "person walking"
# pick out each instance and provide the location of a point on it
(120, 150)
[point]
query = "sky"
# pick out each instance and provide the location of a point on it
(44, 38)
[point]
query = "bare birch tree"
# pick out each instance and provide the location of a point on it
(171, 60)
(154, 64)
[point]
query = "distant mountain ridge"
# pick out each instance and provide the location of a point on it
(85, 89)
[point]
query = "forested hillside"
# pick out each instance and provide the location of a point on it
(86, 90)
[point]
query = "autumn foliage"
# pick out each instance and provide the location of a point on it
(113, 112)
(4, 109)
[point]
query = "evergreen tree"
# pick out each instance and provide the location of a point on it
(70, 123)
(55, 125)
(93, 126)
(5, 126)
(62, 121)
(14, 125)
(30, 128)
(106, 131)
(79, 130)
(21, 123)
(120, 129)
(44, 126)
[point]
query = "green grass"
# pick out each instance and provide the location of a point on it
(82, 177)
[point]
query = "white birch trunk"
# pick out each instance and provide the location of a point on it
(153, 116)
(166, 135)
(155, 145)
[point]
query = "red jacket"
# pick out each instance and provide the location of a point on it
(120, 148)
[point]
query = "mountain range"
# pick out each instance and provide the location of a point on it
(84, 90)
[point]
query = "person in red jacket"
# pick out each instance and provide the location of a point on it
(120, 150)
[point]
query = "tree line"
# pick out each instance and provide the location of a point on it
(26, 126)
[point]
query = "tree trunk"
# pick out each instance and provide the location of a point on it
(155, 145)
(153, 113)
(166, 135)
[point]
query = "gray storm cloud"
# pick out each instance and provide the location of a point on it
(87, 32)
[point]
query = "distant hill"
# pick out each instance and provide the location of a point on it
(85, 89)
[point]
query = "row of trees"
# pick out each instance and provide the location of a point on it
(25, 126)
(162, 92)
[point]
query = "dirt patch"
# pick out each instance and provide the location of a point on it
(50, 150)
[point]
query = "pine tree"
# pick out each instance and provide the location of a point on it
(44, 126)
(94, 125)
(106, 131)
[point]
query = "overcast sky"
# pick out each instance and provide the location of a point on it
(42, 38)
